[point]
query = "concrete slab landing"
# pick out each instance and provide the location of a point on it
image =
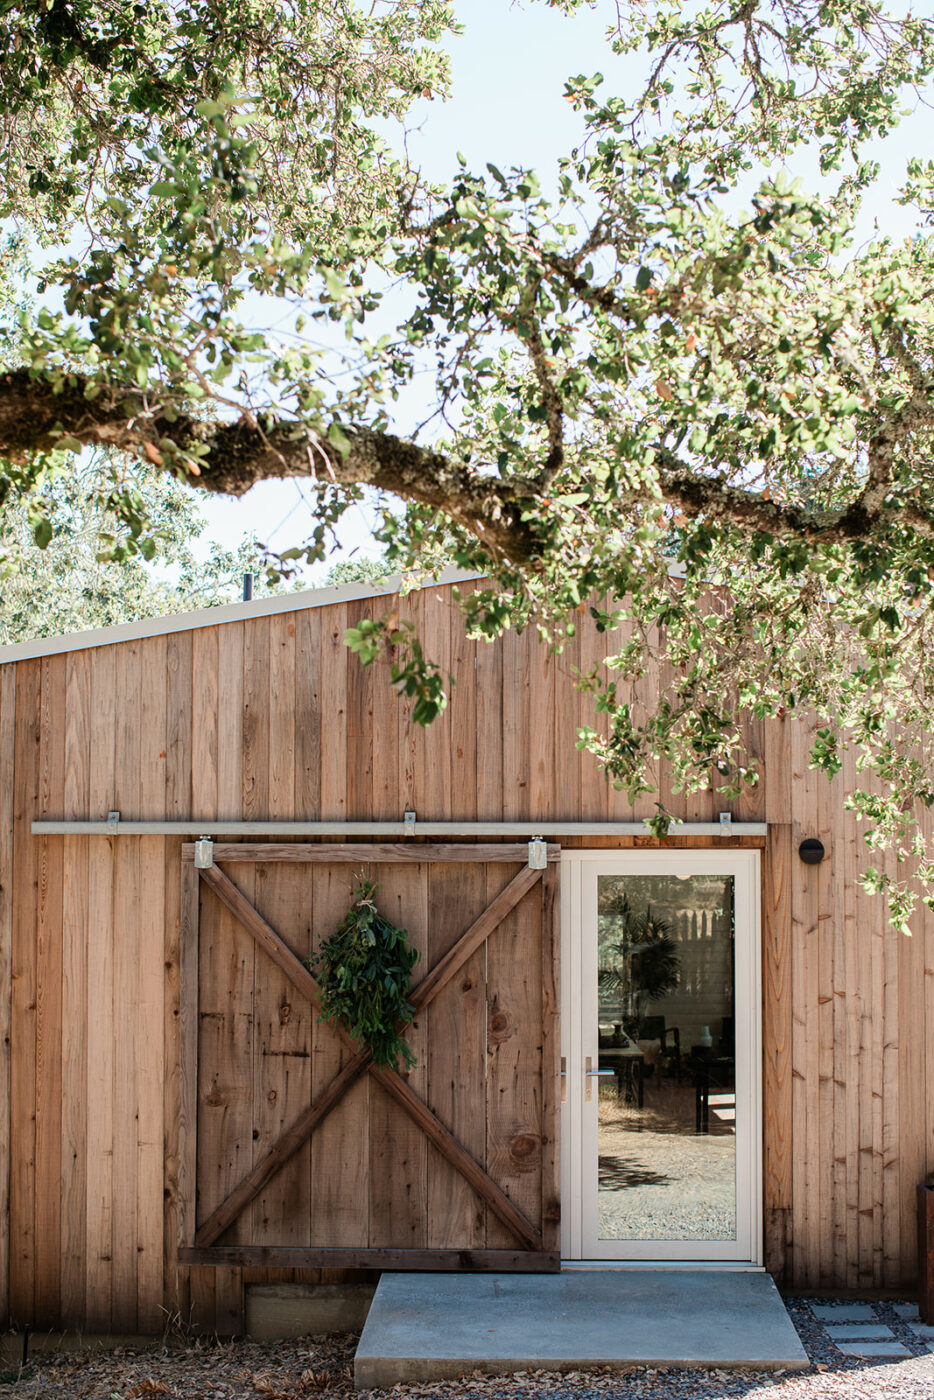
(426, 1327)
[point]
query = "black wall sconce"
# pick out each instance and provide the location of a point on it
(811, 851)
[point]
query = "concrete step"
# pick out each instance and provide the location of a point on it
(427, 1327)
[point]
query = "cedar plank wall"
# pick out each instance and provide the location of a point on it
(272, 718)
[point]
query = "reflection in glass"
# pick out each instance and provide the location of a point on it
(667, 1113)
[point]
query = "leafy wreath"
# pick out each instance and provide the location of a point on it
(364, 972)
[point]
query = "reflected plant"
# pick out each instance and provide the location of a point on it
(642, 965)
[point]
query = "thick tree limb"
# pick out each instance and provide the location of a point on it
(865, 515)
(551, 399)
(35, 415)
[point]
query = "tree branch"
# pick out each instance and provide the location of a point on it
(232, 457)
(751, 512)
(551, 398)
(35, 414)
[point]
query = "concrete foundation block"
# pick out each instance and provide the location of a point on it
(306, 1310)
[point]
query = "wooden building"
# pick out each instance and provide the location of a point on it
(175, 1120)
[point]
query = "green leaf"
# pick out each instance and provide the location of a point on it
(334, 282)
(339, 439)
(213, 108)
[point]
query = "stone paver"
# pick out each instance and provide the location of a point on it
(859, 1332)
(868, 1349)
(843, 1312)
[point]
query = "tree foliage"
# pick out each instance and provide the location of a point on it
(70, 563)
(673, 382)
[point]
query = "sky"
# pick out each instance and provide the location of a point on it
(508, 73)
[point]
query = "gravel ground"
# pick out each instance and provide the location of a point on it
(668, 1188)
(323, 1368)
(656, 1184)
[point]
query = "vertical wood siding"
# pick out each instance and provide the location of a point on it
(7, 716)
(271, 718)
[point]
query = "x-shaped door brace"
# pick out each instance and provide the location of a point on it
(362, 1063)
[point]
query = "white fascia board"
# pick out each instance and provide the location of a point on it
(228, 612)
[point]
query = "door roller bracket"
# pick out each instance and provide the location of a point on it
(538, 854)
(204, 853)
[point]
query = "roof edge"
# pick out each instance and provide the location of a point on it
(225, 612)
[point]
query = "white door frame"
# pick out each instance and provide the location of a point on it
(579, 870)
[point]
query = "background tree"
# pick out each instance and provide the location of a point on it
(69, 561)
(652, 383)
(357, 569)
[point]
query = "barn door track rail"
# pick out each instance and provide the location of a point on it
(198, 1242)
(116, 825)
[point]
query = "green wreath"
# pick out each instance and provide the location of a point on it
(364, 972)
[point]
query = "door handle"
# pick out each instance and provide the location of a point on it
(564, 1078)
(591, 1073)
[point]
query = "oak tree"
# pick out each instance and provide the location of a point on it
(670, 388)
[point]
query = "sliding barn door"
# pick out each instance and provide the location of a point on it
(295, 1149)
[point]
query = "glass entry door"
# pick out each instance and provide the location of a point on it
(661, 1105)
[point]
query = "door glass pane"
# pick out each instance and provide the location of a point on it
(667, 1094)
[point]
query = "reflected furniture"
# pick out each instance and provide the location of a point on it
(628, 1064)
(709, 1072)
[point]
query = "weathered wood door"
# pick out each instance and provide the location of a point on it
(295, 1149)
